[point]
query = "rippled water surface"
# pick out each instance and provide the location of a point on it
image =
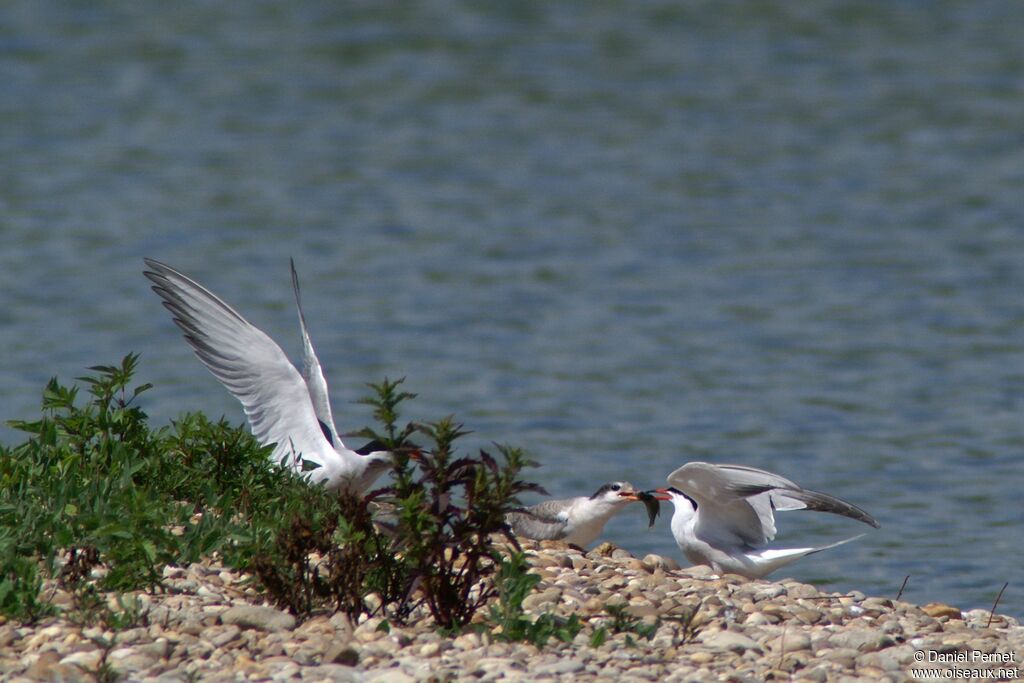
(622, 235)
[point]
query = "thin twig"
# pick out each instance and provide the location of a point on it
(782, 646)
(995, 604)
(902, 586)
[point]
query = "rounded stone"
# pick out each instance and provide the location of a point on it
(262, 618)
(937, 610)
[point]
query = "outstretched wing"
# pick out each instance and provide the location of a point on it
(786, 495)
(316, 383)
(725, 482)
(727, 514)
(739, 502)
(248, 363)
(804, 499)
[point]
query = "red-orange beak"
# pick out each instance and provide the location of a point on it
(664, 494)
(632, 495)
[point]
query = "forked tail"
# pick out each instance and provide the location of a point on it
(771, 559)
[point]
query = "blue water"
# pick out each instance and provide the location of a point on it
(621, 235)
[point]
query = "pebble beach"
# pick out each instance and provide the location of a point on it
(213, 624)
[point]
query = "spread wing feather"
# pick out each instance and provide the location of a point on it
(739, 502)
(316, 383)
(248, 363)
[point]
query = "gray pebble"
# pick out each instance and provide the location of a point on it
(263, 618)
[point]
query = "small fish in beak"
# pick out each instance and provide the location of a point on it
(650, 502)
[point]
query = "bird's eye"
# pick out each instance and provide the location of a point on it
(615, 487)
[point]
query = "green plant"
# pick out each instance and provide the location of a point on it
(688, 628)
(130, 613)
(623, 622)
(104, 671)
(436, 550)
(326, 549)
(20, 584)
(447, 517)
(101, 502)
(507, 618)
(287, 560)
(81, 481)
(91, 607)
(94, 487)
(90, 604)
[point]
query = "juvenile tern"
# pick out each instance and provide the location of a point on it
(284, 408)
(579, 520)
(724, 516)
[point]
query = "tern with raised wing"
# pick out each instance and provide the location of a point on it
(284, 407)
(725, 516)
(579, 520)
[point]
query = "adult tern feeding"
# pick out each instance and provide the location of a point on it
(579, 520)
(285, 408)
(724, 516)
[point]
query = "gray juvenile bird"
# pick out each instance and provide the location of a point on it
(579, 521)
